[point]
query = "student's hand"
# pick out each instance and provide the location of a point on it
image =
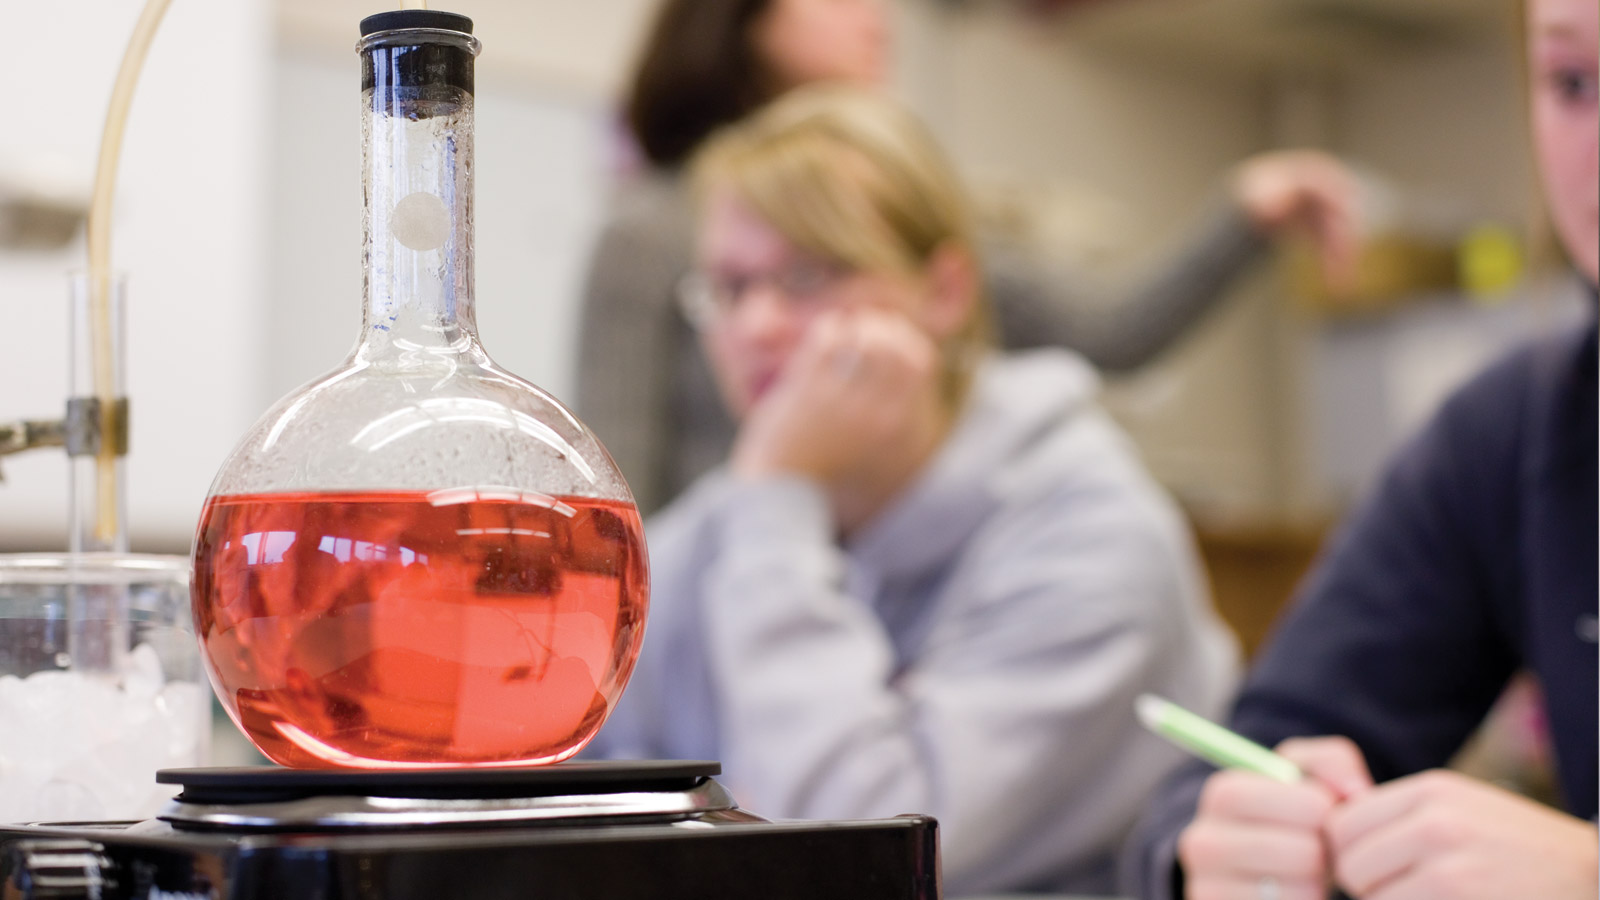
(1307, 193)
(1443, 836)
(1254, 838)
(859, 389)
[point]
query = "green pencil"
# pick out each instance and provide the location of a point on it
(1210, 741)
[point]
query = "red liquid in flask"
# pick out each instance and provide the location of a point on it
(419, 628)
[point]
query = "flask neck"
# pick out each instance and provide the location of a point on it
(417, 90)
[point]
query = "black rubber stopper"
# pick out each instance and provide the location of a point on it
(415, 18)
(427, 68)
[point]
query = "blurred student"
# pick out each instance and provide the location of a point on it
(1476, 558)
(930, 578)
(643, 386)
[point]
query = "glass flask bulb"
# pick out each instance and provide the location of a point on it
(419, 559)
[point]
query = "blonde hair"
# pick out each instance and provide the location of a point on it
(853, 177)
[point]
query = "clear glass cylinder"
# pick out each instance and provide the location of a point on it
(419, 559)
(97, 416)
(97, 433)
(83, 744)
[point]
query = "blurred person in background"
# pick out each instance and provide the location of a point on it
(1475, 559)
(930, 578)
(643, 386)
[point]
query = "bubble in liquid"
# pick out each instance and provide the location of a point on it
(421, 221)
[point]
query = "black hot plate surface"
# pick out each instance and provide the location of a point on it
(268, 784)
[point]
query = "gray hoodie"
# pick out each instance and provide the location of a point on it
(972, 653)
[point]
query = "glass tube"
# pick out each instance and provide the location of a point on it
(97, 429)
(98, 487)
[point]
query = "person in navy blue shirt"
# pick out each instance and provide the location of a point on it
(1476, 558)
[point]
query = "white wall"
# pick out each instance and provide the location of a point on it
(1254, 418)
(1015, 99)
(189, 229)
(1445, 127)
(1129, 147)
(1448, 126)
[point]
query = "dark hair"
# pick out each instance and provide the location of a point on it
(698, 72)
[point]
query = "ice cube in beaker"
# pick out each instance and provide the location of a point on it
(85, 743)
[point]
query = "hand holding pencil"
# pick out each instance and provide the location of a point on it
(1258, 832)
(1290, 824)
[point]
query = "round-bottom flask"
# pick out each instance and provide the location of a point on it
(419, 559)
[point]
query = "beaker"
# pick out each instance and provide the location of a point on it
(419, 559)
(83, 742)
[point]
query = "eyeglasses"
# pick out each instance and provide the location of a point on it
(804, 285)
